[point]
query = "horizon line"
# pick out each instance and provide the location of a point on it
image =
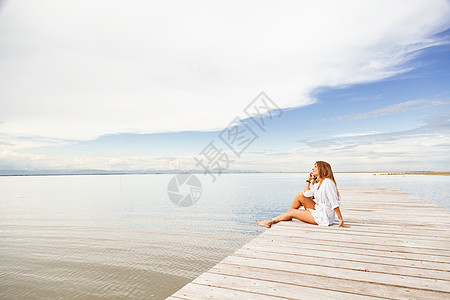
(177, 171)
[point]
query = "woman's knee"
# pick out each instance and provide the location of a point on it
(301, 197)
(288, 215)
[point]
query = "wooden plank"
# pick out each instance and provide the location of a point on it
(379, 228)
(398, 248)
(365, 233)
(411, 219)
(332, 272)
(310, 249)
(196, 291)
(321, 282)
(344, 235)
(358, 263)
(330, 235)
(273, 288)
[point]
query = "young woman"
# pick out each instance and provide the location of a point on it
(320, 200)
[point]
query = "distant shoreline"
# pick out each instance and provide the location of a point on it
(416, 173)
(49, 173)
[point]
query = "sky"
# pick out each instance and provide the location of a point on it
(163, 85)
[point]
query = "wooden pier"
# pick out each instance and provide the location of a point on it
(398, 247)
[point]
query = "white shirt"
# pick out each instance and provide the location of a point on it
(326, 200)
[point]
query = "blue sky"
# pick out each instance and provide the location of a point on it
(375, 99)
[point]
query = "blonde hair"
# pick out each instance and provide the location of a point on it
(325, 171)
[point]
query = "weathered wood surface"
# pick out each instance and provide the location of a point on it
(398, 247)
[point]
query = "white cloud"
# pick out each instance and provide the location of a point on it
(14, 160)
(422, 148)
(354, 134)
(395, 108)
(77, 70)
(407, 153)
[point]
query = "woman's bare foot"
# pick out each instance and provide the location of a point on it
(265, 223)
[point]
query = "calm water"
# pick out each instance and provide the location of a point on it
(121, 237)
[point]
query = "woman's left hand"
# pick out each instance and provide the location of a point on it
(341, 224)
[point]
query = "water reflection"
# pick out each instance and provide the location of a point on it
(120, 236)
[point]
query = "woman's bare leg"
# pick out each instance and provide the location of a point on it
(300, 200)
(269, 223)
(299, 214)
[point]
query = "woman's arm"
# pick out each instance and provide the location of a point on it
(341, 219)
(308, 182)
